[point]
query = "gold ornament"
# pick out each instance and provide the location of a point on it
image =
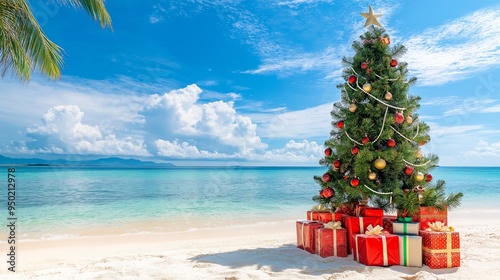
(418, 154)
(380, 163)
(353, 108)
(371, 18)
(372, 175)
(367, 87)
(409, 119)
(419, 176)
(388, 96)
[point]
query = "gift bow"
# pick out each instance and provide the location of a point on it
(377, 230)
(438, 226)
(320, 208)
(334, 225)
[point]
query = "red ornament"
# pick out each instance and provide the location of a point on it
(408, 170)
(354, 182)
(327, 193)
(399, 118)
(326, 177)
(368, 71)
(336, 163)
(364, 65)
(328, 152)
(421, 143)
(352, 79)
(340, 124)
(365, 139)
(428, 177)
(394, 63)
(354, 150)
(391, 143)
(346, 177)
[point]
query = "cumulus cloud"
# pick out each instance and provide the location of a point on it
(292, 152)
(484, 148)
(215, 120)
(62, 131)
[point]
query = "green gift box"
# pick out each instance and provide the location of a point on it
(405, 228)
(410, 250)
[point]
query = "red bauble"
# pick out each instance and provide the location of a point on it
(408, 170)
(421, 143)
(354, 182)
(365, 140)
(399, 118)
(326, 177)
(336, 163)
(340, 124)
(346, 177)
(328, 152)
(428, 177)
(327, 193)
(368, 71)
(406, 191)
(364, 65)
(391, 143)
(394, 63)
(354, 150)
(352, 79)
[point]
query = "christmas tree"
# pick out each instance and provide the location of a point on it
(374, 151)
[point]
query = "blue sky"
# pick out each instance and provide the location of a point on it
(247, 82)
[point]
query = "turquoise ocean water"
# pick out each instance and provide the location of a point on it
(56, 202)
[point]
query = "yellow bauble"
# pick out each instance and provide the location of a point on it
(380, 163)
(409, 119)
(418, 154)
(372, 175)
(367, 87)
(388, 96)
(353, 108)
(419, 176)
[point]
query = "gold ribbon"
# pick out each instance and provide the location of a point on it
(377, 230)
(438, 227)
(334, 225)
(320, 208)
(448, 250)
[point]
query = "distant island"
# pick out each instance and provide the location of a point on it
(102, 162)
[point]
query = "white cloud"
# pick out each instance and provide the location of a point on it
(62, 131)
(216, 120)
(292, 152)
(491, 109)
(439, 131)
(311, 122)
(483, 148)
(296, 3)
(470, 105)
(457, 49)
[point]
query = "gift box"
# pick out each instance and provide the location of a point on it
(306, 231)
(405, 228)
(387, 222)
(427, 215)
(327, 217)
(376, 250)
(366, 211)
(410, 250)
(355, 225)
(313, 214)
(331, 242)
(441, 249)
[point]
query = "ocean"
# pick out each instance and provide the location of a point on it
(53, 202)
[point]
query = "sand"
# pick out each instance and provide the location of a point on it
(256, 251)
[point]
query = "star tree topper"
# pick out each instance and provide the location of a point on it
(371, 18)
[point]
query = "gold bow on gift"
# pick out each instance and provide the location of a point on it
(438, 226)
(377, 230)
(320, 208)
(334, 225)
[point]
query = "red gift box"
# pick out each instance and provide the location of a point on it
(356, 225)
(306, 233)
(430, 214)
(387, 222)
(441, 249)
(379, 250)
(367, 211)
(313, 215)
(331, 242)
(326, 217)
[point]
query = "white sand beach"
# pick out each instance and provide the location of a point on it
(264, 251)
